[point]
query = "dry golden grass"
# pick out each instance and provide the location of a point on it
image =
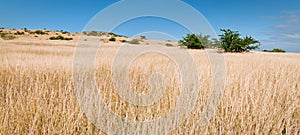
(37, 95)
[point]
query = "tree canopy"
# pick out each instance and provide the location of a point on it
(232, 42)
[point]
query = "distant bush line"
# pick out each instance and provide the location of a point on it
(275, 50)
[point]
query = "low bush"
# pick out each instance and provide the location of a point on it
(19, 33)
(39, 32)
(8, 37)
(113, 39)
(123, 41)
(169, 45)
(134, 41)
(64, 32)
(60, 38)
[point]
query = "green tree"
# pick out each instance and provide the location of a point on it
(232, 42)
(216, 43)
(192, 41)
(205, 40)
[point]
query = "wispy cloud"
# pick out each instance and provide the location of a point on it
(293, 36)
(286, 34)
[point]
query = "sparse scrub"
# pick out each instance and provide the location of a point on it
(94, 33)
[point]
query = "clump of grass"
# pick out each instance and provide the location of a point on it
(8, 36)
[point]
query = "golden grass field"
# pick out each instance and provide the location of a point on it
(37, 96)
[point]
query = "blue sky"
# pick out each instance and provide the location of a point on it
(275, 23)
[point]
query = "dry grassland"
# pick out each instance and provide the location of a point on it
(37, 96)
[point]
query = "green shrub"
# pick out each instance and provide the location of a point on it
(169, 45)
(8, 37)
(60, 38)
(134, 41)
(113, 39)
